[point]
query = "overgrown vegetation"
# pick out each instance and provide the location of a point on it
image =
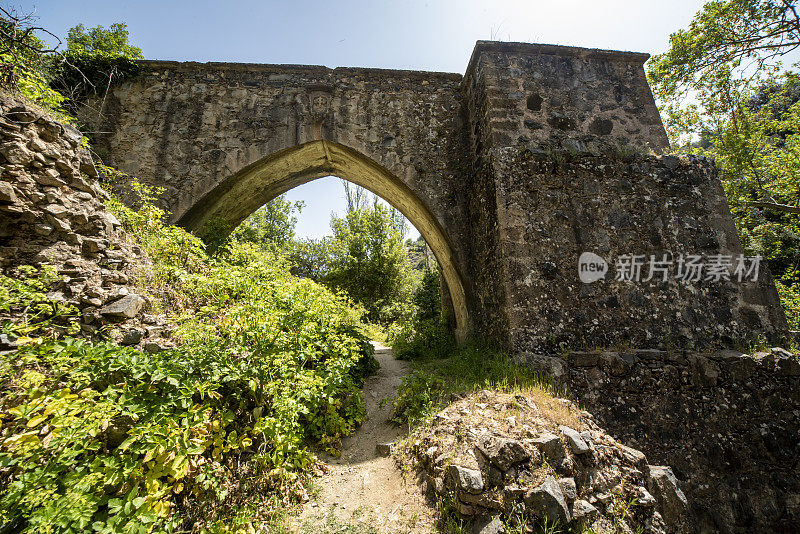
(59, 80)
(105, 438)
(427, 333)
(370, 262)
(464, 370)
(26, 61)
(365, 257)
(725, 92)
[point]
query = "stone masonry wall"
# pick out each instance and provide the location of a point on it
(727, 423)
(537, 154)
(52, 213)
(552, 211)
(562, 140)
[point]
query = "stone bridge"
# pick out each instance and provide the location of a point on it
(537, 154)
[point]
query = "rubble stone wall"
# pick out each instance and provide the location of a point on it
(52, 213)
(727, 423)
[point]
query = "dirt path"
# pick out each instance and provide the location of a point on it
(363, 490)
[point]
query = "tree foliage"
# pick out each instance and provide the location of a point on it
(726, 33)
(272, 225)
(95, 59)
(726, 94)
(311, 258)
(369, 259)
(26, 61)
(427, 297)
(100, 42)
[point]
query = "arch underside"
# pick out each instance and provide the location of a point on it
(238, 196)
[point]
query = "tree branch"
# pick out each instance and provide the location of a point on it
(785, 208)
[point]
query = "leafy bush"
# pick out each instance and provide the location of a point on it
(423, 338)
(107, 438)
(427, 334)
(790, 298)
(417, 398)
(369, 261)
(24, 299)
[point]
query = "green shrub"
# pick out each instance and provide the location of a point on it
(427, 297)
(417, 398)
(426, 334)
(106, 438)
(790, 299)
(27, 309)
(421, 339)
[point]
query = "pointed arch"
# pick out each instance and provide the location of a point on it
(235, 198)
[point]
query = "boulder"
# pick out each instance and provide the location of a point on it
(488, 525)
(583, 511)
(549, 445)
(576, 443)
(705, 372)
(546, 501)
(42, 229)
(91, 246)
(583, 359)
(501, 452)
(552, 366)
(132, 337)
(7, 195)
(152, 347)
(634, 456)
(8, 342)
(467, 480)
(16, 154)
(568, 488)
(127, 306)
(49, 177)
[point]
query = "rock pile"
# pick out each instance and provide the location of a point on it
(52, 213)
(504, 461)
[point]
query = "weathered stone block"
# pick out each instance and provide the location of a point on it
(663, 485)
(575, 441)
(503, 453)
(546, 501)
(127, 306)
(549, 445)
(462, 478)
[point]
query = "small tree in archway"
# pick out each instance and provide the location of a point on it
(369, 260)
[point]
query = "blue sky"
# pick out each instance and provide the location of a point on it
(400, 34)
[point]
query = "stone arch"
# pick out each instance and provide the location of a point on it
(236, 197)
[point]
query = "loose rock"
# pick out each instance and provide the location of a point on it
(127, 306)
(546, 501)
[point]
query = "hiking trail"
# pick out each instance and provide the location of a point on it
(363, 487)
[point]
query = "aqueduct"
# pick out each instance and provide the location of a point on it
(537, 154)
